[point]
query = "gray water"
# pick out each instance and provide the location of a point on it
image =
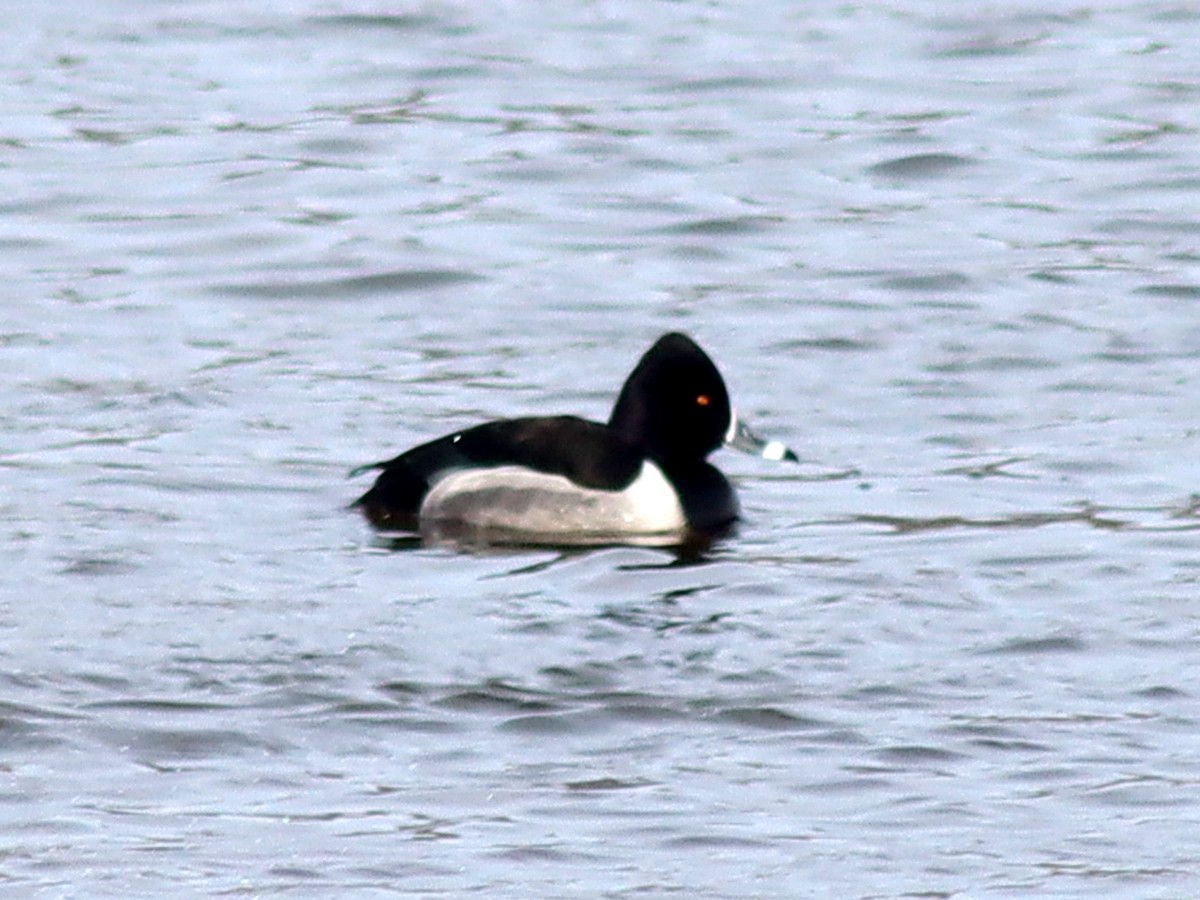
(950, 253)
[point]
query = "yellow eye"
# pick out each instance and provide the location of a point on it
(702, 400)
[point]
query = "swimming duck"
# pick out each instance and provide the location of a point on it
(642, 477)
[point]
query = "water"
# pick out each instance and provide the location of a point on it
(950, 255)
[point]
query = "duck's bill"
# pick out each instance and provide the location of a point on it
(740, 437)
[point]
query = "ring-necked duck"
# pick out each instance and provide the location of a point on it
(642, 478)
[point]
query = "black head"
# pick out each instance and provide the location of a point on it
(674, 404)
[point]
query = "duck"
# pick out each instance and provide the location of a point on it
(642, 477)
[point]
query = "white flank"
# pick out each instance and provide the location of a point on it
(519, 500)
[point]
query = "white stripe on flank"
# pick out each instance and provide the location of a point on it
(516, 499)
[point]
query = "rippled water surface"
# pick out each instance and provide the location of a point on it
(951, 253)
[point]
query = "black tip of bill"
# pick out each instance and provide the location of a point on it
(740, 437)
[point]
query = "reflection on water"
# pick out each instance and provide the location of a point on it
(953, 653)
